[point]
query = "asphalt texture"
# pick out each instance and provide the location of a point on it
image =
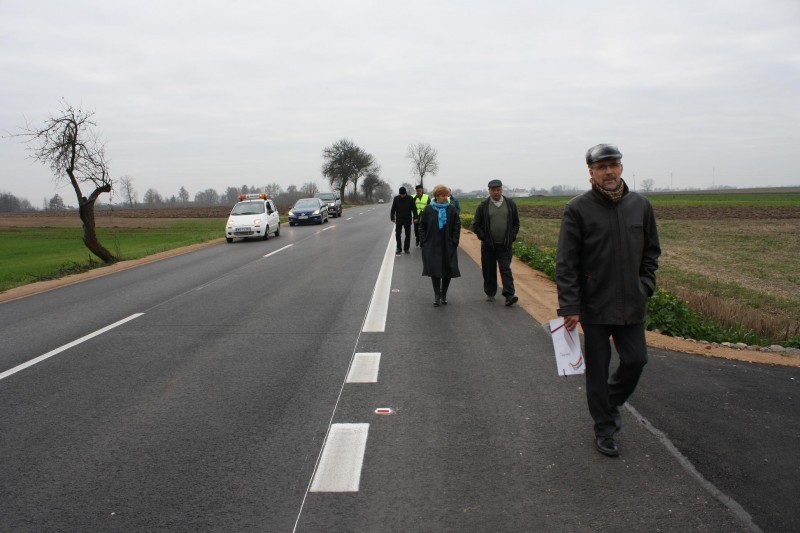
(209, 411)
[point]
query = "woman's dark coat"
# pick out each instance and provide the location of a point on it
(439, 244)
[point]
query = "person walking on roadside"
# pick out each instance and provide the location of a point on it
(439, 232)
(420, 201)
(606, 266)
(496, 223)
(403, 213)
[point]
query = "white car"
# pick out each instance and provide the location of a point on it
(254, 216)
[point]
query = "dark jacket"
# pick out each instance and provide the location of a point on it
(439, 247)
(607, 258)
(404, 211)
(481, 227)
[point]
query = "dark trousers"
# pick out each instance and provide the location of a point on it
(440, 286)
(398, 229)
(605, 395)
(492, 256)
(416, 232)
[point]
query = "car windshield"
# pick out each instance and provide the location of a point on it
(327, 196)
(307, 203)
(248, 208)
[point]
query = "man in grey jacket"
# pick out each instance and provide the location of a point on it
(606, 266)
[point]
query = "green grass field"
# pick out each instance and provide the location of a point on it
(30, 254)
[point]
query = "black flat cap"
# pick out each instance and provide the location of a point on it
(495, 183)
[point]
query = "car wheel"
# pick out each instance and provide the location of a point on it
(278, 231)
(266, 233)
(291, 223)
(228, 240)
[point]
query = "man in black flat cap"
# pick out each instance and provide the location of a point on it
(496, 223)
(403, 213)
(606, 266)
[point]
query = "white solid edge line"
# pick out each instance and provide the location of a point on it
(687, 465)
(51, 353)
(364, 368)
(279, 250)
(339, 468)
(379, 305)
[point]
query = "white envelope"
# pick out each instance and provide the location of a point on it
(567, 346)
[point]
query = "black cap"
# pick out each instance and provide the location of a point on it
(418, 187)
(402, 190)
(495, 183)
(601, 152)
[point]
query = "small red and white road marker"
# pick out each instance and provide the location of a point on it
(383, 411)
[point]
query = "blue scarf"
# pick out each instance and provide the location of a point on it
(442, 208)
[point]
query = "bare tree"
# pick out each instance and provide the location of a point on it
(69, 144)
(183, 195)
(273, 189)
(371, 181)
(424, 160)
(152, 198)
(346, 163)
(648, 184)
(309, 188)
(56, 203)
(128, 192)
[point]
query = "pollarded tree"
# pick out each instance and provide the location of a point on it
(424, 160)
(69, 144)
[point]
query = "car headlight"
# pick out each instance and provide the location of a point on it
(230, 222)
(315, 212)
(257, 222)
(291, 213)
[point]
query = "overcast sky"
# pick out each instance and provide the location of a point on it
(206, 94)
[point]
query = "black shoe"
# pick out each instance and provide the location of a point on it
(511, 300)
(436, 302)
(444, 299)
(398, 252)
(607, 446)
(408, 251)
(490, 297)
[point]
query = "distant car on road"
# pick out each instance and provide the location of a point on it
(254, 216)
(333, 202)
(308, 210)
(380, 200)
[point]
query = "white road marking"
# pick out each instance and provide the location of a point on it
(364, 368)
(339, 469)
(349, 218)
(379, 305)
(279, 250)
(329, 227)
(51, 353)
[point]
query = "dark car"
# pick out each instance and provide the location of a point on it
(333, 202)
(308, 210)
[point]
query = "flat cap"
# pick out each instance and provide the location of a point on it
(601, 152)
(495, 183)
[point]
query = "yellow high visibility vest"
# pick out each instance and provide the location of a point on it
(421, 203)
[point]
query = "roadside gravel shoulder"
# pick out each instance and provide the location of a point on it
(538, 296)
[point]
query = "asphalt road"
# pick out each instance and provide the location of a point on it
(238, 387)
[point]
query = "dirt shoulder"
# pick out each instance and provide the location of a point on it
(537, 295)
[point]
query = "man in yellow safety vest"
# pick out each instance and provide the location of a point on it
(420, 200)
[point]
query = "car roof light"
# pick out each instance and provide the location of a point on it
(262, 196)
